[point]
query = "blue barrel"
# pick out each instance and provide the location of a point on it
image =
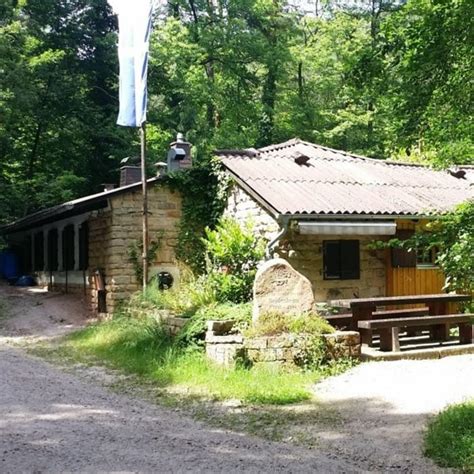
(8, 264)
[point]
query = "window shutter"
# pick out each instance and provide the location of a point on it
(332, 259)
(350, 260)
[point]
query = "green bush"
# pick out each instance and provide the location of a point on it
(233, 253)
(450, 437)
(232, 256)
(184, 300)
(228, 287)
(204, 197)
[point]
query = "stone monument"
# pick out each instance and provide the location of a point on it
(278, 287)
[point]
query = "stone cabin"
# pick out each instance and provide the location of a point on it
(321, 208)
(83, 246)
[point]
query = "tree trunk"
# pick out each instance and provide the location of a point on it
(268, 102)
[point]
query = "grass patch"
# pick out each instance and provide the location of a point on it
(274, 323)
(140, 346)
(450, 437)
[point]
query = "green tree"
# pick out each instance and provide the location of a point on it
(452, 236)
(57, 103)
(429, 63)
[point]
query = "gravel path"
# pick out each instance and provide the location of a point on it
(51, 421)
(28, 315)
(384, 408)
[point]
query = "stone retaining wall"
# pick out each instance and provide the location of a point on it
(222, 345)
(272, 350)
(169, 320)
(343, 344)
(282, 350)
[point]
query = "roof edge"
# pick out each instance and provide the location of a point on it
(39, 217)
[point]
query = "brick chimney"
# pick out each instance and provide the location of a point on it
(130, 175)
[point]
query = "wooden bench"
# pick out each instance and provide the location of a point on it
(363, 308)
(345, 319)
(390, 328)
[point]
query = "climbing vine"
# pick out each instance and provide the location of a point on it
(135, 250)
(204, 190)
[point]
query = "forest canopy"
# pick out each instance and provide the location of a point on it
(383, 79)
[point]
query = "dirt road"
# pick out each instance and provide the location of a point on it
(51, 421)
(28, 315)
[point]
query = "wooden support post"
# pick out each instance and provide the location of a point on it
(395, 333)
(439, 332)
(366, 336)
(389, 339)
(466, 333)
(363, 313)
(385, 339)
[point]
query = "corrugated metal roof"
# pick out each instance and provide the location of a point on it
(336, 182)
(70, 208)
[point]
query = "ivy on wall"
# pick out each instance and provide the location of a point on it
(204, 190)
(135, 251)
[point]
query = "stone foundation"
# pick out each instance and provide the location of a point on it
(174, 325)
(343, 344)
(272, 350)
(224, 350)
(223, 346)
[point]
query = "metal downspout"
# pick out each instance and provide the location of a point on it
(284, 229)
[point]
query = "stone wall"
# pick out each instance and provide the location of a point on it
(286, 349)
(276, 351)
(306, 256)
(223, 345)
(305, 253)
(100, 226)
(243, 208)
(111, 232)
(342, 344)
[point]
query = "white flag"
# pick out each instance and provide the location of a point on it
(135, 22)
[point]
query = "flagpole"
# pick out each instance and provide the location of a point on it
(145, 206)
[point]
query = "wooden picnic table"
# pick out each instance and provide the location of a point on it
(363, 308)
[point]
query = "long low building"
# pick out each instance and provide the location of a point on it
(87, 245)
